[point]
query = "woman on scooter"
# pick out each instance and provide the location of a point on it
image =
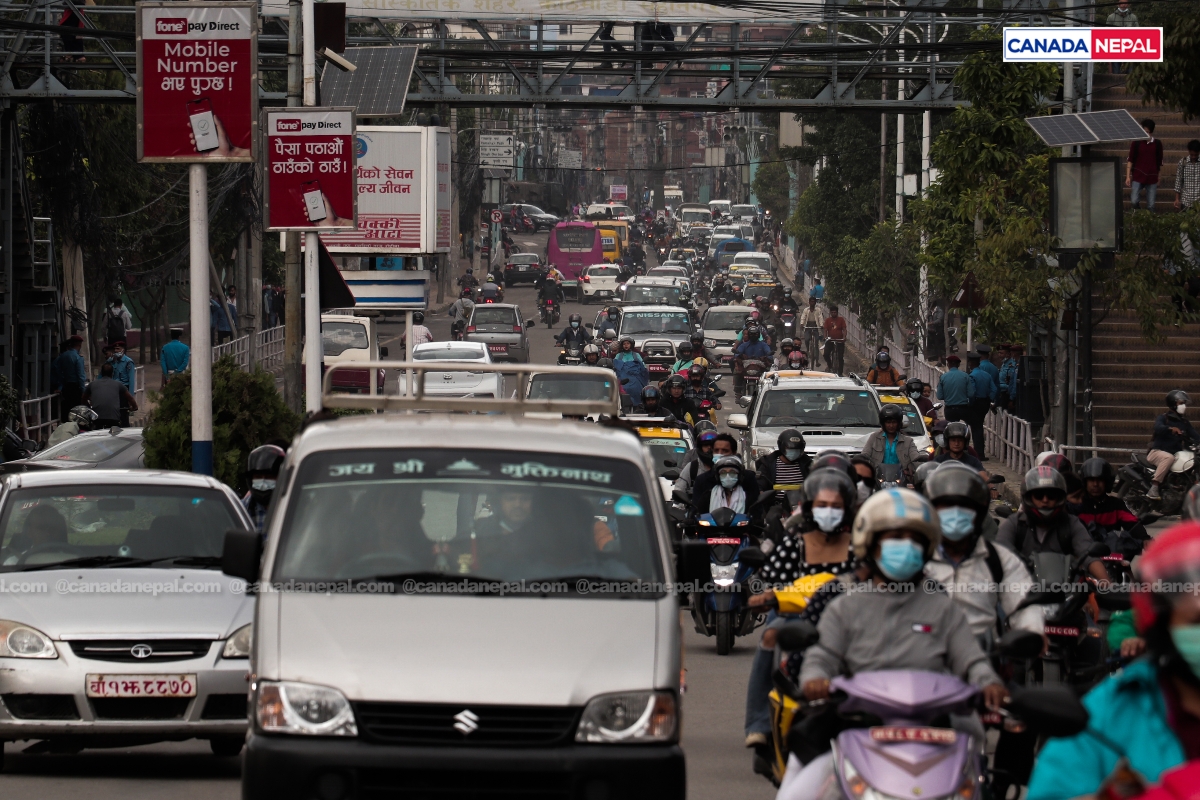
(1145, 720)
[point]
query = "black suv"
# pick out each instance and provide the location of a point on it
(523, 267)
(542, 220)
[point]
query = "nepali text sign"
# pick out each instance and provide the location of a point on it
(618, 192)
(1083, 44)
(309, 168)
(197, 72)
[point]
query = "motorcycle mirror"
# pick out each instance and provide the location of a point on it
(529, 323)
(383, 352)
(680, 496)
(1020, 644)
(996, 479)
(667, 462)
(717, 378)
(1003, 511)
(744, 401)
(29, 445)
(752, 557)
(798, 635)
(1049, 710)
(936, 406)
(671, 475)
(624, 381)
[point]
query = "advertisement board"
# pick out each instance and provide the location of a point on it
(618, 192)
(309, 169)
(197, 82)
(1083, 44)
(403, 175)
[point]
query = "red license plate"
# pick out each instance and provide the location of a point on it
(498, 348)
(1114, 557)
(723, 540)
(892, 733)
(991, 718)
(1061, 630)
(656, 368)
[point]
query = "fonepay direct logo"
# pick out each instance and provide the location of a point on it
(287, 125)
(171, 27)
(1083, 44)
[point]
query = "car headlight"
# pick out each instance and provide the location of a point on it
(710, 342)
(289, 707)
(22, 641)
(759, 452)
(629, 718)
(723, 574)
(238, 645)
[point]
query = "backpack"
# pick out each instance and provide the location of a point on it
(1063, 532)
(115, 328)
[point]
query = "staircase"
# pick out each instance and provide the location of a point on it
(1130, 375)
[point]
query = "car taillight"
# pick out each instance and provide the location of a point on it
(586, 279)
(516, 328)
(470, 329)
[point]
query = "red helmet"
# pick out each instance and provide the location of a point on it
(796, 360)
(1174, 557)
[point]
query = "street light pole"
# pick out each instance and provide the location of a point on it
(313, 351)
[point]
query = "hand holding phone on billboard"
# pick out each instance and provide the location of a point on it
(207, 134)
(314, 201)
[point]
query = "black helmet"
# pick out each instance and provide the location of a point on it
(1044, 479)
(913, 387)
(683, 348)
(574, 318)
(675, 380)
(267, 458)
(890, 411)
(704, 425)
(83, 416)
(1095, 468)
(787, 292)
(1176, 397)
(791, 439)
(1057, 461)
(696, 372)
(786, 345)
(922, 473)
(651, 393)
(827, 478)
(418, 317)
(626, 338)
(957, 430)
(697, 340)
(613, 311)
(833, 459)
(753, 332)
(955, 484)
(882, 359)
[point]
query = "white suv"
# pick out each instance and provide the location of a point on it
(598, 282)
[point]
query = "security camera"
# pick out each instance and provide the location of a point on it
(338, 61)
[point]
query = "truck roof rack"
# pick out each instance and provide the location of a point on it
(517, 403)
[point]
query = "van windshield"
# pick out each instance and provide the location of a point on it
(695, 215)
(842, 408)
(379, 514)
(338, 337)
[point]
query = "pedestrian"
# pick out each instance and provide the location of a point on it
(116, 321)
(1123, 17)
(817, 291)
(175, 356)
(106, 395)
(220, 325)
(70, 370)
(955, 389)
(985, 361)
(125, 371)
(835, 340)
(983, 394)
(935, 333)
(1142, 167)
(1006, 381)
(1187, 177)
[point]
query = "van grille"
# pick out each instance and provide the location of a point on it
(123, 649)
(395, 784)
(140, 708)
(434, 724)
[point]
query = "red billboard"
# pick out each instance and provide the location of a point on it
(309, 169)
(197, 81)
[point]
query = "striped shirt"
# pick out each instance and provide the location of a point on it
(1187, 181)
(787, 474)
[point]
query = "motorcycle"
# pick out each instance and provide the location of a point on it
(787, 324)
(456, 330)
(550, 312)
(1136, 476)
(708, 406)
(749, 372)
(722, 558)
(571, 355)
(890, 476)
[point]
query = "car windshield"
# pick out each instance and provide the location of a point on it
(485, 315)
(533, 210)
(445, 354)
(578, 238)
(114, 524)
(695, 215)
(841, 408)
(467, 513)
(665, 321)
(727, 230)
(603, 272)
(666, 270)
(88, 449)
(664, 450)
(652, 294)
(523, 258)
(338, 337)
(744, 211)
(759, 289)
(570, 387)
(725, 319)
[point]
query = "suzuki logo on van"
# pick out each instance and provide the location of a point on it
(466, 722)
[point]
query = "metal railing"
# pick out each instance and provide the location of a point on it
(1094, 451)
(268, 350)
(1010, 440)
(239, 348)
(138, 417)
(39, 417)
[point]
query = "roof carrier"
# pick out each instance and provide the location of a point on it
(416, 400)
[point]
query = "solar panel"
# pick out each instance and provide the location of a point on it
(378, 88)
(1061, 130)
(1113, 126)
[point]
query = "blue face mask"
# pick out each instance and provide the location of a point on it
(792, 455)
(729, 479)
(900, 559)
(1187, 642)
(957, 523)
(574, 324)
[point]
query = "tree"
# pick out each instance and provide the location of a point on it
(772, 186)
(1174, 83)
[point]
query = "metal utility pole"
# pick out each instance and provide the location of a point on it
(201, 356)
(291, 260)
(313, 352)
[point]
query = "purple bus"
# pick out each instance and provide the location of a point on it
(573, 246)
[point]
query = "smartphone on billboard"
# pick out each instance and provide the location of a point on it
(204, 124)
(314, 202)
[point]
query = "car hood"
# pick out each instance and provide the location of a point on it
(127, 603)
(816, 439)
(450, 649)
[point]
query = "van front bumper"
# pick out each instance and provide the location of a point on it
(300, 768)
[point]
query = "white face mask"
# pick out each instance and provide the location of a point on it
(828, 518)
(729, 479)
(1181, 408)
(263, 484)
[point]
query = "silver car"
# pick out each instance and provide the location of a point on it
(116, 448)
(116, 624)
(502, 328)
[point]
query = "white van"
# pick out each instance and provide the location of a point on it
(346, 338)
(453, 604)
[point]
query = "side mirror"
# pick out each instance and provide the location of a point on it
(797, 635)
(242, 555)
(671, 475)
(1020, 644)
(936, 406)
(752, 557)
(29, 445)
(738, 422)
(529, 323)
(996, 479)
(717, 378)
(1003, 512)
(745, 400)
(383, 352)
(1049, 710)
(669, 462)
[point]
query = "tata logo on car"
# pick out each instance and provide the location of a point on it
(1083, 44)
(141, 651)
(171, 27)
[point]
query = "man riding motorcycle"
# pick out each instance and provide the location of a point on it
(676, 403)
(889, 445)
(1172, 432)
(782, 360)
(262, 473)
(491, 291)
(727, 485)
(882, 373)
(685, 358)
(701, 389)
(751, 346)
(1106, 516)
(591, 355)
(609, 323)
(468, 279)
(573, 337)
(651, 402)
(79, 419)
(787, 304)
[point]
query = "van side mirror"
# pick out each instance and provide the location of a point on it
(241, 556)
(383, 352)
(30, 446)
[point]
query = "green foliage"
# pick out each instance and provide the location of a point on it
(772, 183)
(1174, 83)
(10, 403)
(247, 411)
(1151, 265)
(878, 272)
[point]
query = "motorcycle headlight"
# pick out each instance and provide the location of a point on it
(303, 708)
(723, 574)
(22, 641)
(238, 645)
(629, 718)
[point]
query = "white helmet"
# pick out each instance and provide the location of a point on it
(895, 509)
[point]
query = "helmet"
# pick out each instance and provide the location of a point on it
(786, 345)
(704, 426)
(895, 509)
(626, 338)
(797, 360)
(1176, 397)
(818, 480)
(470, 271)
(651, 393)
(755, 316)
(1173, 557)
(267, 458)
(787, 292)
(701, 361)
(1044, 479)
(957, 430)
(752, 332)
(675, 380)
(922, 473)
(683, 348)
(913, 387)
(882, 359)
(728, 462)
(697, 372)
(1098, 468)
(591, 350)
(791, 439)
(418, 317)
(1055, 460)
(697, 340)
(955, 484)
(613, 311)
(83, 416)
(890, 411)
(575, 318)
(491, 278)
(833, 459)
(606, 363)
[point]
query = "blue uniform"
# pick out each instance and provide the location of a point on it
(992, 370)
(818, 292)
(955, 388)
(1007, 379)
(985, 387)
(70, 367)
(175, 357)
(123, 371)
